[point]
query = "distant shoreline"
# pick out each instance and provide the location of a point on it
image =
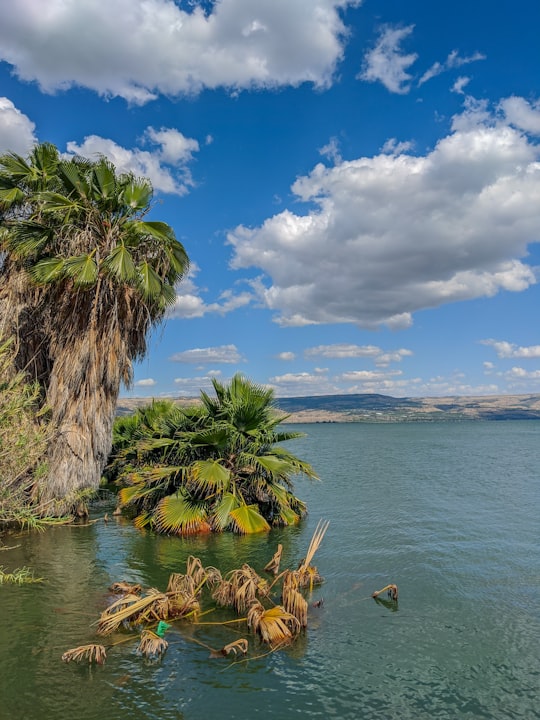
(374, 408)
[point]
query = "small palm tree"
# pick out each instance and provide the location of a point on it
(216, 466)
(85, 276)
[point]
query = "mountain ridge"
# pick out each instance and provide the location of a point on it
(374, 407)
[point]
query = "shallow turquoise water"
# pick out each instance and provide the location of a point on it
(449, 512)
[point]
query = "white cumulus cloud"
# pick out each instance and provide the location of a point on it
(16, 129)
(506, 349)
(138, 49)
(165, 165)
(392, 234)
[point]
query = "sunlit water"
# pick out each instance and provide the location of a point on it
(449, 512)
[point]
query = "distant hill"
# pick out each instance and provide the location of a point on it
(384, 408)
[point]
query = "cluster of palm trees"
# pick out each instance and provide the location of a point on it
(209, 467)
(84, 275)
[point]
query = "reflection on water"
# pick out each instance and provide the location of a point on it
(448, 512)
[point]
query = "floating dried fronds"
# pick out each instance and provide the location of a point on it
(153, 606)
(223, 594)
(213, 576)
(246, 586)
(92, 653)
(238, 646)
(309, 576)
(151, 645)
(295, 603)
(180, 583)
(391, 591)
(275, 626)
(273, 565)
(195, 570)
(125, 588)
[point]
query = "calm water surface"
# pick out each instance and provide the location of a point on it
(449, 512)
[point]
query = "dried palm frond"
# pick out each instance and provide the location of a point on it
(238, 646)
(309, 576)
(213, 576)
(125, 588)
(195, 570)
(179, 583)
(391, 590)
(246, 586)
(153, 606)
(273, 565)
(223, 594)
(151, 645)
(92, 653)
(295, 603)
(275, 626)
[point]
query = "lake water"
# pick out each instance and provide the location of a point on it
(448, 512)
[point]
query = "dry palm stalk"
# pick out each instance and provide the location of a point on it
(274, 626)
(238, 646)
(309, 575)
(125, 588)
(273, 565)
(391, 590)
(92, 653)
(314, 544)
(153, 606)
(151, 645)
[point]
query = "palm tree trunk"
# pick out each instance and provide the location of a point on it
(82, 396)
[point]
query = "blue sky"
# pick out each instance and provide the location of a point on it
(357, 184)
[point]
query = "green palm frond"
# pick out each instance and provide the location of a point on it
(149, 281)
(120, 264)
(73, 179)
(137, 194)
(15, 167)
(221, 513)
(26, 239)
(158, 230)
(82, 269)
(247, 519)
(181, 516)
(53, 202)
(10, 196)
(104, 180)
(210, 476)
(48, 270)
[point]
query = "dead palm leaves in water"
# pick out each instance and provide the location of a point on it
(92, 653)
(274, 626)
(273, 565)
(293, 600)
(390, 590)
(151, 646)
(132, 609)
(241, 589)
(236, 647)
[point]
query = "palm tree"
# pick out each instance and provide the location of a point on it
(85, 277)
(216, 466)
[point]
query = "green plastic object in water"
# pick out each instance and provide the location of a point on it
(162, 628)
